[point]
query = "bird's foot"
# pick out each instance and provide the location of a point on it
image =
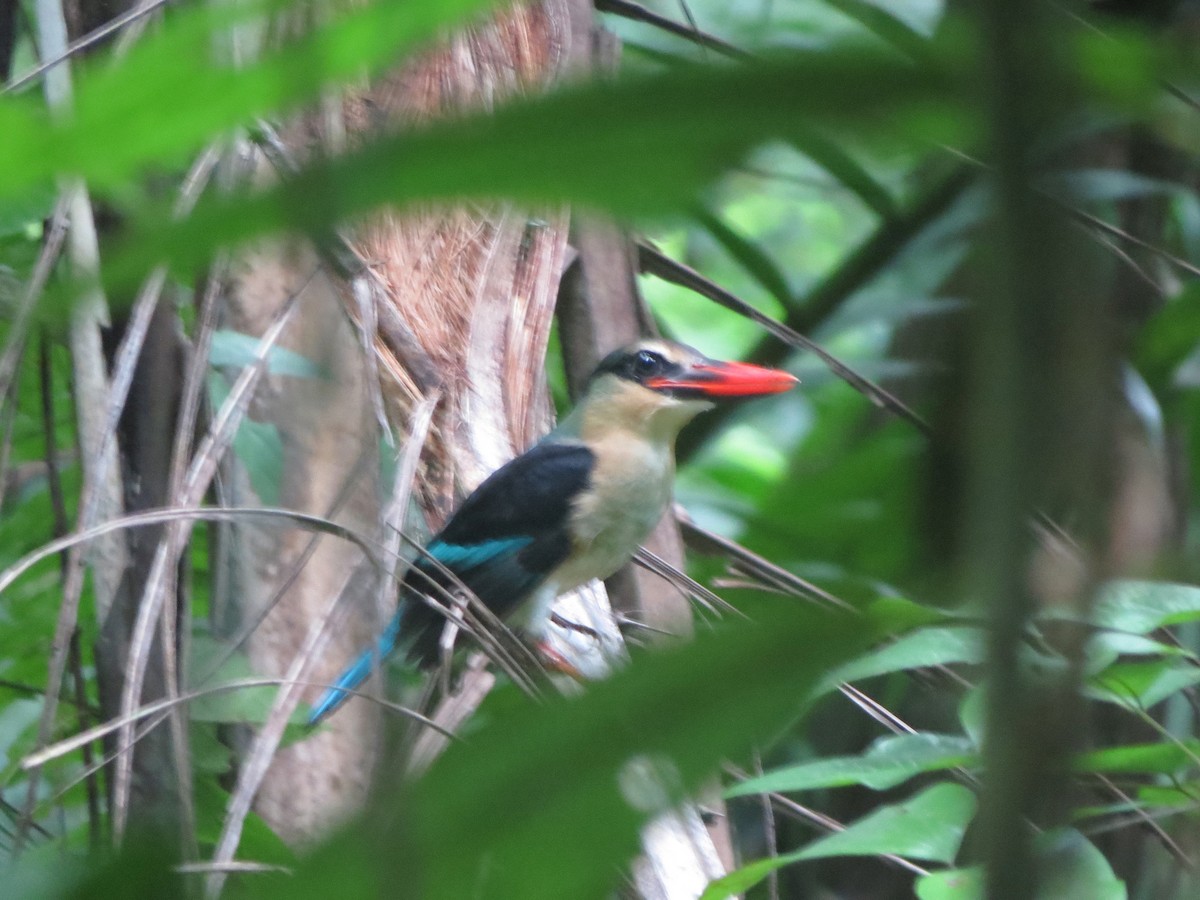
(556, 662)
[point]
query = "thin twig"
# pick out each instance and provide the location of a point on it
(770, 831)
(91, 785)
(657, 263)
(81, 44)
(61, 525)
(146, 711)
(1140, 815)
(709, 542)
(1096, 222)
(257, 761)
(52, 245)
(195, 483)
(382, 557)
(173, 639)
(162, 516)
(97, 476)
(627, 9)
(856, 270)
(91, 386)
(681, 580)
(397, 510)
(8, 416)
(233, 867)
(827, 823)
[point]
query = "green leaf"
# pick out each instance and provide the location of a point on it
(1140, 607)
(1164, 758)
(171, 94)
(628, 751)
(906, 614)
(749, 255)
(236, 350)
(1108, 185)
(972, 713)
(923, 648)
(16, 721)
(1140, 685)
(665, 137)
(546, 801)
(1071, 868)
(830, 156)
(890, 761)
(952, 884)
(259, 843)
(211, 665)
(1105, 647)
(258, 446)
(1169, 338)
(209, 756)
(249, 705)
(930, 826)
(1181, 795)
(875, 18)
(24, 208)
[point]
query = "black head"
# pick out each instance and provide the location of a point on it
(645, 362)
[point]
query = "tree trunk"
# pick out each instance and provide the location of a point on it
(462, 300)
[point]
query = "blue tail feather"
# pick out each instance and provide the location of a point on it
(355, 674)
(495, 569)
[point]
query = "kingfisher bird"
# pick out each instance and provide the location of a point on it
(572, 508)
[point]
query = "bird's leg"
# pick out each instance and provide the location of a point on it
(556, 662)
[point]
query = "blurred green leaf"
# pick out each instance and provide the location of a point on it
(749, 255)
(1071, 868)
(209, 756)
(834, 159)
(1178, 795)
(211, 665)
(929, 826)
(952, 884)
(259, 843)
(629, 749)
(1169, 338)
(248, 705)
(664, 139)
(170, 94)
(972, 712)
(878, 19)
(1108, 185)
(1140, 685)
(1106, 647)
(890, 761)
(921, 649)
(1140, 607)
(547, 801)
(258, 446)
(235, 350)
(16, 720)
(21, 209)
(1166, 757)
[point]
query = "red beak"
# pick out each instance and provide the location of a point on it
(726, 379)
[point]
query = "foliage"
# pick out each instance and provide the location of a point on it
(797, 180)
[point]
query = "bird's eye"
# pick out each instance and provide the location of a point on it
(647, 363)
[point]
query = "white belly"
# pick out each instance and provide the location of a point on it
(631, 487)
